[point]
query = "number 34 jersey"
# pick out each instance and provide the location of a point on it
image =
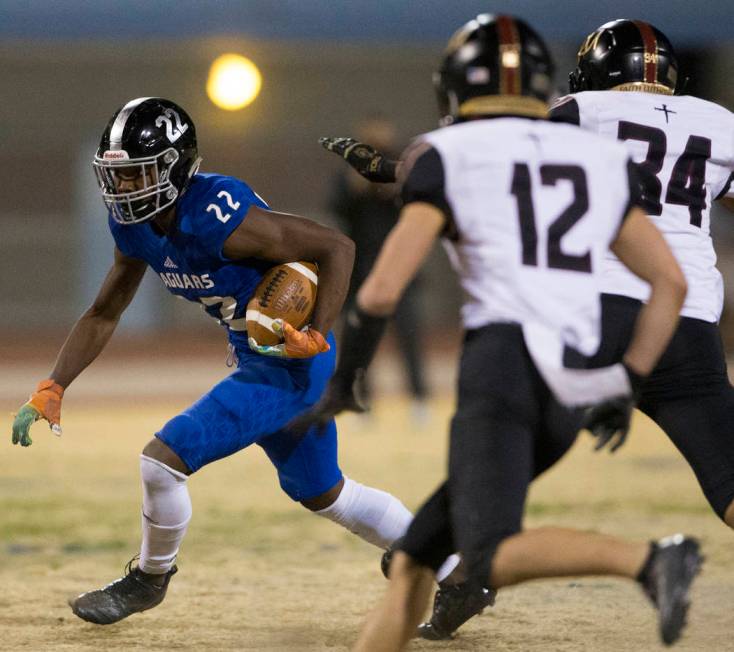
(685, 149)
(189, 259)
(532, 208)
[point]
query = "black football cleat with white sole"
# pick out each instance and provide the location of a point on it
(666, 580)
(452, 607)
(134, 592)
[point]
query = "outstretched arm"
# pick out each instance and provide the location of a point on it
(425, 216)
(85, 342)
(372, 164)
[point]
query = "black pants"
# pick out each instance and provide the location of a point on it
(507, 430)
(688, 395)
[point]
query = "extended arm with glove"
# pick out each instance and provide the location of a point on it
(86, 340)
(365, 159)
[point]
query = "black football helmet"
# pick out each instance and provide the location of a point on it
(494, 65)
(626, 55)
(146, 158)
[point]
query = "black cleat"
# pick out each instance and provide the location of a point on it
(135, 591)
(452, 607)
(674, 563)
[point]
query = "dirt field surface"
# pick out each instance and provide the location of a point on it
(258, 572)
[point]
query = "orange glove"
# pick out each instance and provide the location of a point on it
(44, 403)
(296, 344)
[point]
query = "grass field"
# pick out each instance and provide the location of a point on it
(258, 572)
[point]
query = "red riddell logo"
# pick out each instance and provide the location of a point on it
(115, 154)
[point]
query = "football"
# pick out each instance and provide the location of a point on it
(286, 292)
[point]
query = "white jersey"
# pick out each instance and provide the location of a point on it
(533, 207)
(685, 148)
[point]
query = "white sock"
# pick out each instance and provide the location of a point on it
(447, 567)
(166, 515)
(373, 515)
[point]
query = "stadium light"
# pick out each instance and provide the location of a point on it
(234, 82)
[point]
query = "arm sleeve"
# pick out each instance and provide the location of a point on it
(426, 183)
(360, 338)
(223, 208)
(565, 109)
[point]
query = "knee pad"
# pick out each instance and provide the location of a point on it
(166, 499)
(166, 515)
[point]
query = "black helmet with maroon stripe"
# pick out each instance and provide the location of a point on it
(627, 55)
(495, 64)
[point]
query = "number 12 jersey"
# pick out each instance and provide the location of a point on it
(532, 208)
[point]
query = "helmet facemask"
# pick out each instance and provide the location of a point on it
(146, 159)
(152, 191)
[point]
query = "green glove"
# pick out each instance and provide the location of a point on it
(296, 344)
(22, 423)
(44, 403)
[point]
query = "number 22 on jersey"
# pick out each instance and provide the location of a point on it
(217, 210)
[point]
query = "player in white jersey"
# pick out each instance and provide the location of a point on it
(528, 210)
(623, 88)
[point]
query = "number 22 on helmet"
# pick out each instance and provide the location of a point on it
(146, 158)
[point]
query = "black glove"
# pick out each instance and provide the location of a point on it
(338, 397)
(609, 421)
(366, 160)
(362, 333)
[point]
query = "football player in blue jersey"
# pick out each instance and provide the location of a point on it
(210, 238)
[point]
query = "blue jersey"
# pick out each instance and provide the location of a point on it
(189, 259)
(256, 402)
